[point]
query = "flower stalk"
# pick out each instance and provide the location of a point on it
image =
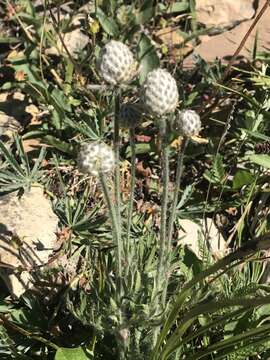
(172, 217)
(129, 249)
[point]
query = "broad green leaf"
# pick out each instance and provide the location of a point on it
(145, 15)
(178, 6)
(108, 24)
(241, 178)
(148, 57)
(70, 354)
(261, 159)
(59, 100)
(141, 148)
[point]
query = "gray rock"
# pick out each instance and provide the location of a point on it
(8, 126)
(27, 237)
(75, 41)
(223, 14)
(193, 235)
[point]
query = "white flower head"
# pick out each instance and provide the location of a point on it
(160, 93)
(116, 63)
(130, 115)
(187, 123)
(95, 158)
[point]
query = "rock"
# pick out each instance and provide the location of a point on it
(75, 42)
(27, 237)
(13, 105)
(8, 127)
(174, 42)
(192, 235)
(223, 14)
(223, 46)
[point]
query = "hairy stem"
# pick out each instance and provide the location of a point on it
(115, 225)
(179, 172)
(116, 144)
(162, 267)
(117, 243)
(122, 343)
(129, 250)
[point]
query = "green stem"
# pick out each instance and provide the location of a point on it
(116, 143)
(129, 249)
(179, 172)
(162, 264)
(117, 242)
(122, 344)
(162, 267)
(115, 225)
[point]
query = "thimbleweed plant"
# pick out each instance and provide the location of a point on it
(116, 64)
(187, 123)
(160, 96)
(160, 93)
(118, 297)
(95, 158)
(117, 67)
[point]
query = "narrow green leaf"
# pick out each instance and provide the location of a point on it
(185, 196)
(38, 162)
(234, 340)
(58, 144)
(10, 159)
(22, 154)
(256, 135)
(9, 40)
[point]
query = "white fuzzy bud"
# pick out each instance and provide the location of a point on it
(116, 63)
(160, 93)
(187, 123)
(130, 115)
(95, 158)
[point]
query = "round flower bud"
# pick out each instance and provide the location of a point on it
(130, 115)
(116, 63)
(95, 158)
(160, 93)
(187, 123)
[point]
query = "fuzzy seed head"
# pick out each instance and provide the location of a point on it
(95, 158)
(160, 93)
(116, 63)
(187, 123)
(130, 115)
